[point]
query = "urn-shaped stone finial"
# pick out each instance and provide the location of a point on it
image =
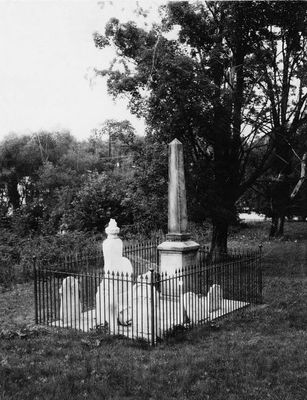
(112, 247)
(112, 229)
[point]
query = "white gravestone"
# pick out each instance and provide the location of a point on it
(195, 306)
(113, 301)
(113, 297)
(146, 300)
(172, 312)
(215, 298)
(113, 251)
(125, 266)
(70, 309)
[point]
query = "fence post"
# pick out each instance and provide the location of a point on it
(152, 306)
(35, 289)
(260, 273)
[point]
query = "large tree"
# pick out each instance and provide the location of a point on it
(113, 141)
(280, 59)
(19, 158)
(206, 89)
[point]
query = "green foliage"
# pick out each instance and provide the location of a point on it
(17, 252)
(81, 184)
(77, 184)
(20, 160)
(221, 75)
(100, 197)
(148, 187)
(9, 257)
(118, 132)
(8, 276)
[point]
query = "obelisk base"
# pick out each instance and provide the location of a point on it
(178, 237)
(176, 256)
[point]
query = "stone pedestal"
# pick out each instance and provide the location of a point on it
(176, 256)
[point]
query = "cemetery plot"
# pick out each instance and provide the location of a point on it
(148, 306)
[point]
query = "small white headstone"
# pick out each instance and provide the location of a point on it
(114, 301)
(125, 267)
(70, 309)
(195, 306)
(143, 305)
(215, 298)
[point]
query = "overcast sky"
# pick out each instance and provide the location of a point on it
(47, 55)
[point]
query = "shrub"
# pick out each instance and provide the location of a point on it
(17, 253)
(7, 271)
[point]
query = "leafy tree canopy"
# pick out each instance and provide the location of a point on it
(212, 89)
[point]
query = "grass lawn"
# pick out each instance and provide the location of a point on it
(261, 354)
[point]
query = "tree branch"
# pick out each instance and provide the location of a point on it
(302, 177)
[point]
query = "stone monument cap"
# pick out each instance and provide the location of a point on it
(175, 141)
(112, 228)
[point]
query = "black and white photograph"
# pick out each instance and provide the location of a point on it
(153, 200)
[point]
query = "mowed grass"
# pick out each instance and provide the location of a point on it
(260, 354)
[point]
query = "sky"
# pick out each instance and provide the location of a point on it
(47, 60)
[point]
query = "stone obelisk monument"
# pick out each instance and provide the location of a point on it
(178, 251)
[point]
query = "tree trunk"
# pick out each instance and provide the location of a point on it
(281, 198)
(277, 226)
(280, 203)
(12, 191)
(219, 238)
(301, 179)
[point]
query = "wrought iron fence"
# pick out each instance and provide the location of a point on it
(142, 257)
(145, 305)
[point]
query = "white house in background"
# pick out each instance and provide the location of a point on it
(252, 216)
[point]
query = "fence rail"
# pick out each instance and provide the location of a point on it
(78, 293)
(142, 256)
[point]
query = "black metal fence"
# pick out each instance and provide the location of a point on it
(142, 257)
(78, 293)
